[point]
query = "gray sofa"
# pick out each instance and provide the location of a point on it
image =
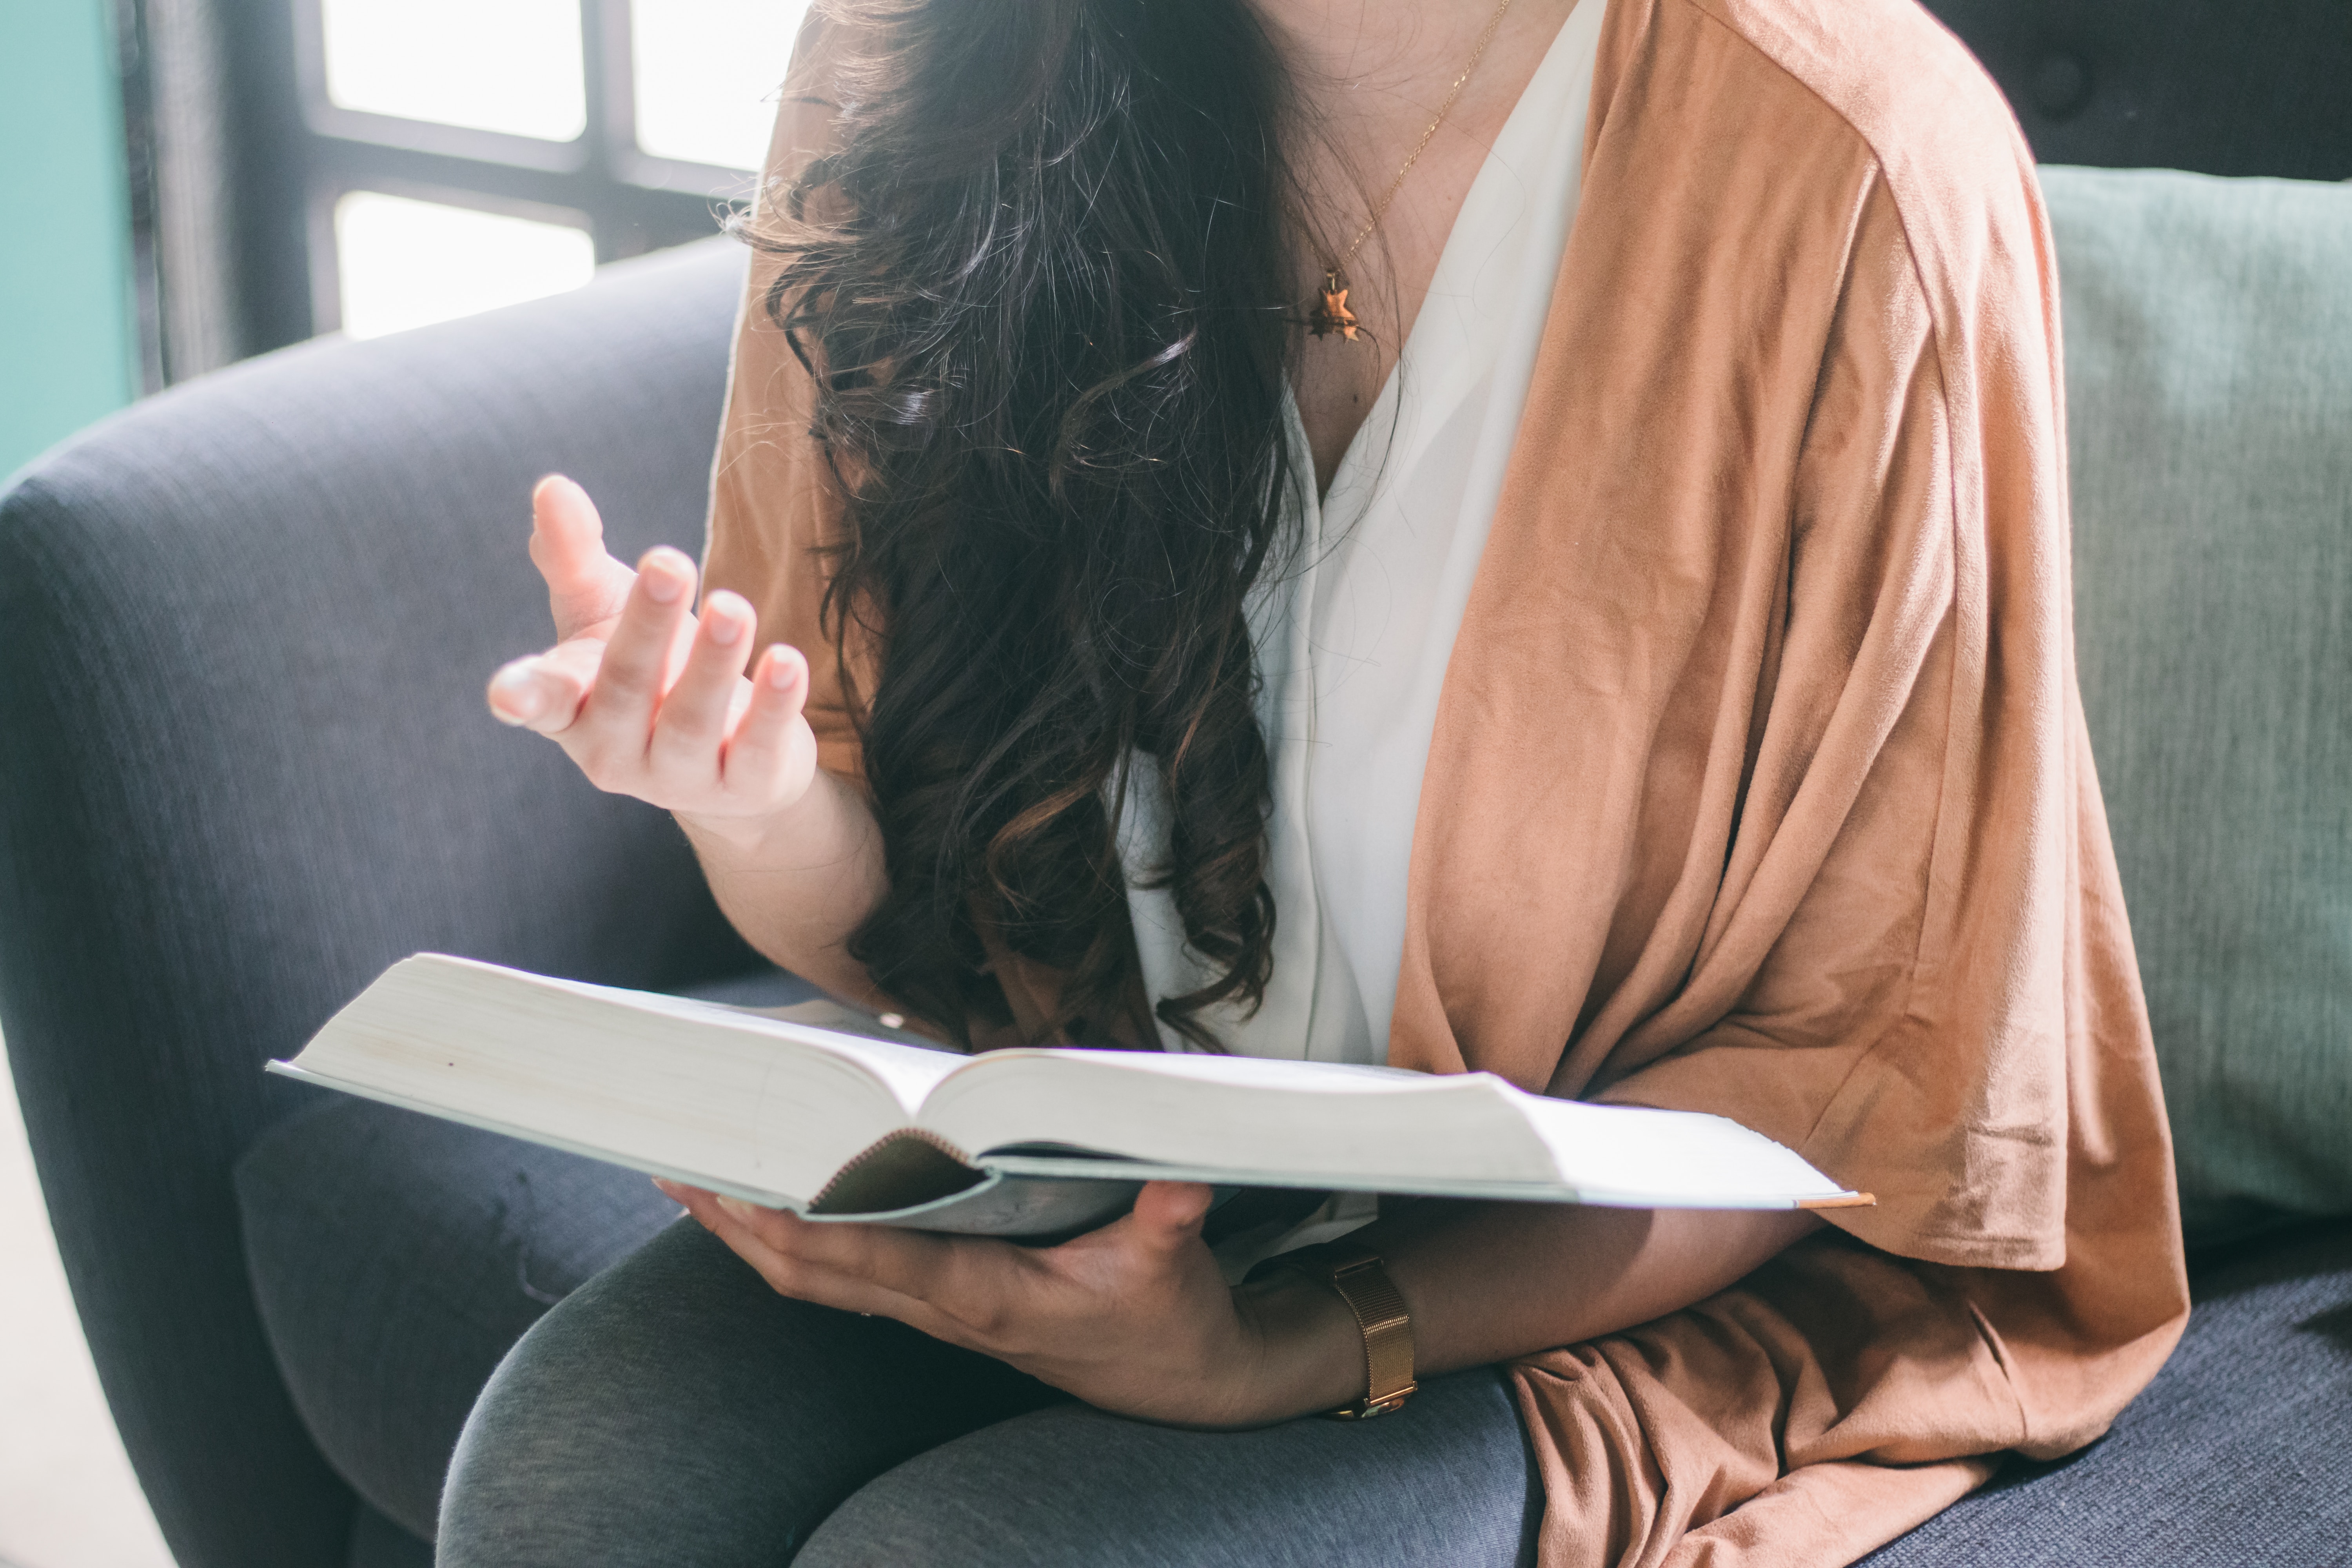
(243, 765)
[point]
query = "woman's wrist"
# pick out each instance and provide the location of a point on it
(1311, 1351)
(753, 840)
(796, 883)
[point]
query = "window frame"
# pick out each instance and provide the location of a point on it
(290, 154)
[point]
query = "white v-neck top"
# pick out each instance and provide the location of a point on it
(1352, 642)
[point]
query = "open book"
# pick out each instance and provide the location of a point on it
(821, 1110)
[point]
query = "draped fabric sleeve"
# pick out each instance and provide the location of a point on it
(1760, 787)
(775, 512)
(1886, 974)
(1760, 784)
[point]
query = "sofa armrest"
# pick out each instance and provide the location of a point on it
(243, 629)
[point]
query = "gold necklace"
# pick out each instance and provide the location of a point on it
(1333, 315)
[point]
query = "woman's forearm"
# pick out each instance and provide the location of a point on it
(797, 884)
(1485, 1282)
(1488, 1281)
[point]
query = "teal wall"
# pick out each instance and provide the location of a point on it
(66, 351)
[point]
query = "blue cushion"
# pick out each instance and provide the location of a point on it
(2235, 1455)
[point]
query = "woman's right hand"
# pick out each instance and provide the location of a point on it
(649, 699)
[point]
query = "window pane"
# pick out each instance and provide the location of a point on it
(493, 65)
(707, 73)
(408, 263)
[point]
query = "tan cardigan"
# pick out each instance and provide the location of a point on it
(1759, 784)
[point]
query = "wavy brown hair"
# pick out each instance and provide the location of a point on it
(1042, 286)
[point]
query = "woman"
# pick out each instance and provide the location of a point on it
(1590, 605)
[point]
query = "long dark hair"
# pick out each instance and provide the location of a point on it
(1042, 285)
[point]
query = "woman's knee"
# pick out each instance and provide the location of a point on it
(675, 1410)
(1450, 1480)
(593, 1442)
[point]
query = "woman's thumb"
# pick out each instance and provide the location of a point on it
(584, 583)
(1169, 1214)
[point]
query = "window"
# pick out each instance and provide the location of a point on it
(467, 154)
(402, 263)
(301, 166)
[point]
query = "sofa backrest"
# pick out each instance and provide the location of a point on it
(2209, 364)
(2221, 87)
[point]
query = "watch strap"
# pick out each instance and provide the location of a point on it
(1382, 1316)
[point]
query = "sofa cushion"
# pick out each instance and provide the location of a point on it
(2233, 1455)
(2209, 360)
(395, 1259)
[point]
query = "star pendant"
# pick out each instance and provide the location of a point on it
(1333, 315)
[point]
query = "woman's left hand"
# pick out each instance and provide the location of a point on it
(1132, 1318)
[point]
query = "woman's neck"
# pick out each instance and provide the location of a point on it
(1369, 76)
(1352, 45)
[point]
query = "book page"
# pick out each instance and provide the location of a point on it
(1316, 1124)
(909, 1065)
(1634, 1157)
(697, 1091)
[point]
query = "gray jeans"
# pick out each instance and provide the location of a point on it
(675, 1411)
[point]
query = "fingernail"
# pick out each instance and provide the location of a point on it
(662, 585)
(741, 1212)
(726, 625)
(515, 697)
(670, 1190)
(780, 669)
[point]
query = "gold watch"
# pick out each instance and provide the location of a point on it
(1357, 1274)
